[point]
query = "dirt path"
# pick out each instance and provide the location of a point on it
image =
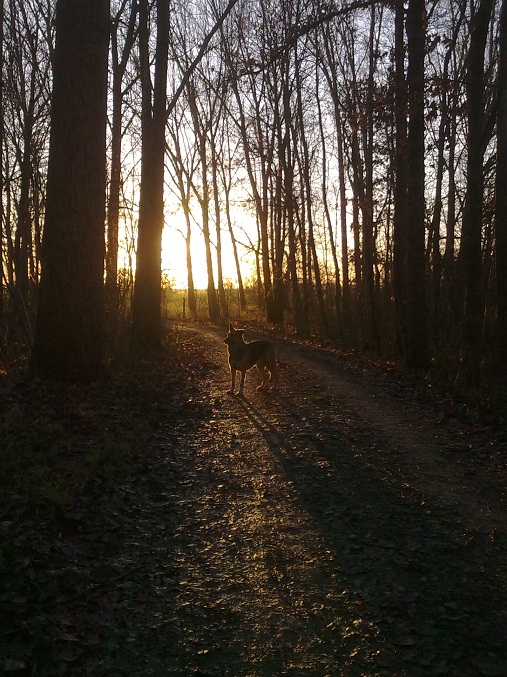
(335, 535)
(332, 528)
(325, 530)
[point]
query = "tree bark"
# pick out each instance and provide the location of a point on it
(2, 174)
(400, 188)
(146, 310)
(218, 228)
(68, 342)
(416, 355)
(367, 204)
(501, 191)
(471, 236)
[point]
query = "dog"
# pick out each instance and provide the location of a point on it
(244, 356)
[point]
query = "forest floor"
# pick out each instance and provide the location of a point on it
(350, 523)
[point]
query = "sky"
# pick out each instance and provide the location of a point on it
(174, 257)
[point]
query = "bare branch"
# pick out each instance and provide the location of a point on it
(202, 51)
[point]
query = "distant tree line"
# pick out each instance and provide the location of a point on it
(366, 140)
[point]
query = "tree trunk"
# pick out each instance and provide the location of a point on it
(68, 342)
(287, 159)
(306, 187)
(192, 301)
(218, 224)
(241, 288)
(113, 208)
(2, 174)
(470, 250)
(367, 204)
(213, 307)
(327, 214)
(24, 220)
(260, 195)
(331, 76)
(146, 307)
(357, 200)
(501, 191)
(400, 188)
(416, 355)
(203, 198)
(343, 217)
(183, 179)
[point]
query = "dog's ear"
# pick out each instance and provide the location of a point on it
(231, 327)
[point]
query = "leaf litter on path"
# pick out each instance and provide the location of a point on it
(297, 532)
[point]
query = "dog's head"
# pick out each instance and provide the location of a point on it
(234, 337)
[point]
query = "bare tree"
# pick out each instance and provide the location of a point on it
(501, 189)
(257, 135)
(120, 55)
(147, 290)
(26, 82)
(200, 127)
(307, 187)
(471, 236)
(68, 340)
(183, 164)
(416, 355)
(400, 173)
(2, 174)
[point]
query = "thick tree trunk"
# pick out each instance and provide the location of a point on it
(2, 174)
(501, 191)
(471, 236)
(68, 340)
(146, 307)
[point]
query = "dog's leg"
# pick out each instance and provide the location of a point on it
(263, 372)
(242, 383)
(273, 373)
(233, 379)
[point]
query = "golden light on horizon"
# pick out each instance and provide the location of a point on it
(174, 258)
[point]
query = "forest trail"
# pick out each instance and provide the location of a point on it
(333, 527)
(337, 534)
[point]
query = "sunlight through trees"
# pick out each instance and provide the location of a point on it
(347, 157)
